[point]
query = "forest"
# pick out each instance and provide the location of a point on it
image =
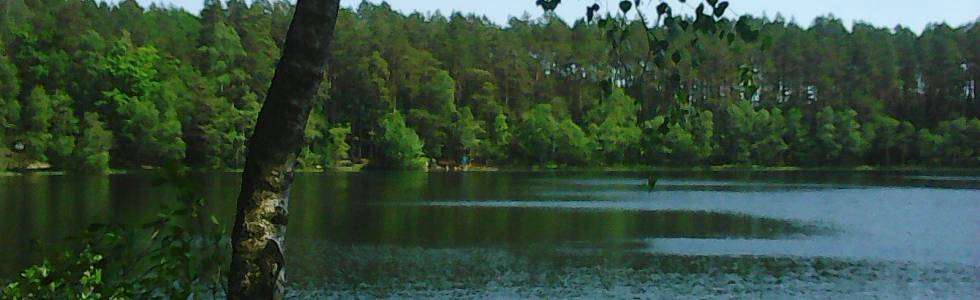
(91, 86)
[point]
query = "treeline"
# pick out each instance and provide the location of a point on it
(86, 85)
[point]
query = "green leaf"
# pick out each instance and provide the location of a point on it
(548, 5)
(663, 8)
(625, 6)
(720, 9)
(704, 23)
(745, 30)
(590, 11)
(712, 2)
(676, 57)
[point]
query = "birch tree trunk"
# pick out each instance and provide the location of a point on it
(257, 263)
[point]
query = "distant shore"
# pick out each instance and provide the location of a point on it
(484, 169)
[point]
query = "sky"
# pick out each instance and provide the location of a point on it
(915, 14)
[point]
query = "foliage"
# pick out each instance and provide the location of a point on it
(573, 146)
(78, 276)
(544, 139)
(689, 143)
(883, 136)
(849, 136)
(436, 109)
(535, 136)
(755, 136)
(961, 141)
(635, 77)
(797, 137)
(401, 147)
(337, 148)
(930, 147)
(827, 143)
(615, 128)
(9, 90)
(681, 147)
(468, 133)
(771, 146)
(38, 113)
(63, 129)
(655, 150)
(92, 151)
(495, 148)
(146, 119)
(4, 154)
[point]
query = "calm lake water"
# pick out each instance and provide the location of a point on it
(572, 234)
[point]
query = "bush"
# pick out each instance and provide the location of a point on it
(961, 141)
(689, 142)
(573, 146)
(544, 139)
(614, 128)
(401, 147)
(92, 151)
(337, 148)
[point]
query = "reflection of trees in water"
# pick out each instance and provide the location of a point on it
(443, 226)
(38, 210)
(394, 209)
(394, 220)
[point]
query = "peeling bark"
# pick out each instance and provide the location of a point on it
(257, 264)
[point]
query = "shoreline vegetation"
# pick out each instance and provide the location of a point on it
(95, 87)
(112, 87)
(489, 169)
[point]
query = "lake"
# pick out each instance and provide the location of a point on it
(571, 234)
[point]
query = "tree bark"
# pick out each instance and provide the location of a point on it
(257, 263)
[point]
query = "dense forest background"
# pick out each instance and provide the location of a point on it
(86, 85)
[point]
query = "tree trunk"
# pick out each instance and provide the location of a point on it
(257, 265)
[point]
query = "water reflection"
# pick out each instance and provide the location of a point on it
(343, 271)
(442, 226)
(43, 212)
(497, 234)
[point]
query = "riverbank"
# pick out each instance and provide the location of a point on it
(715, 168)
(478, 169)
